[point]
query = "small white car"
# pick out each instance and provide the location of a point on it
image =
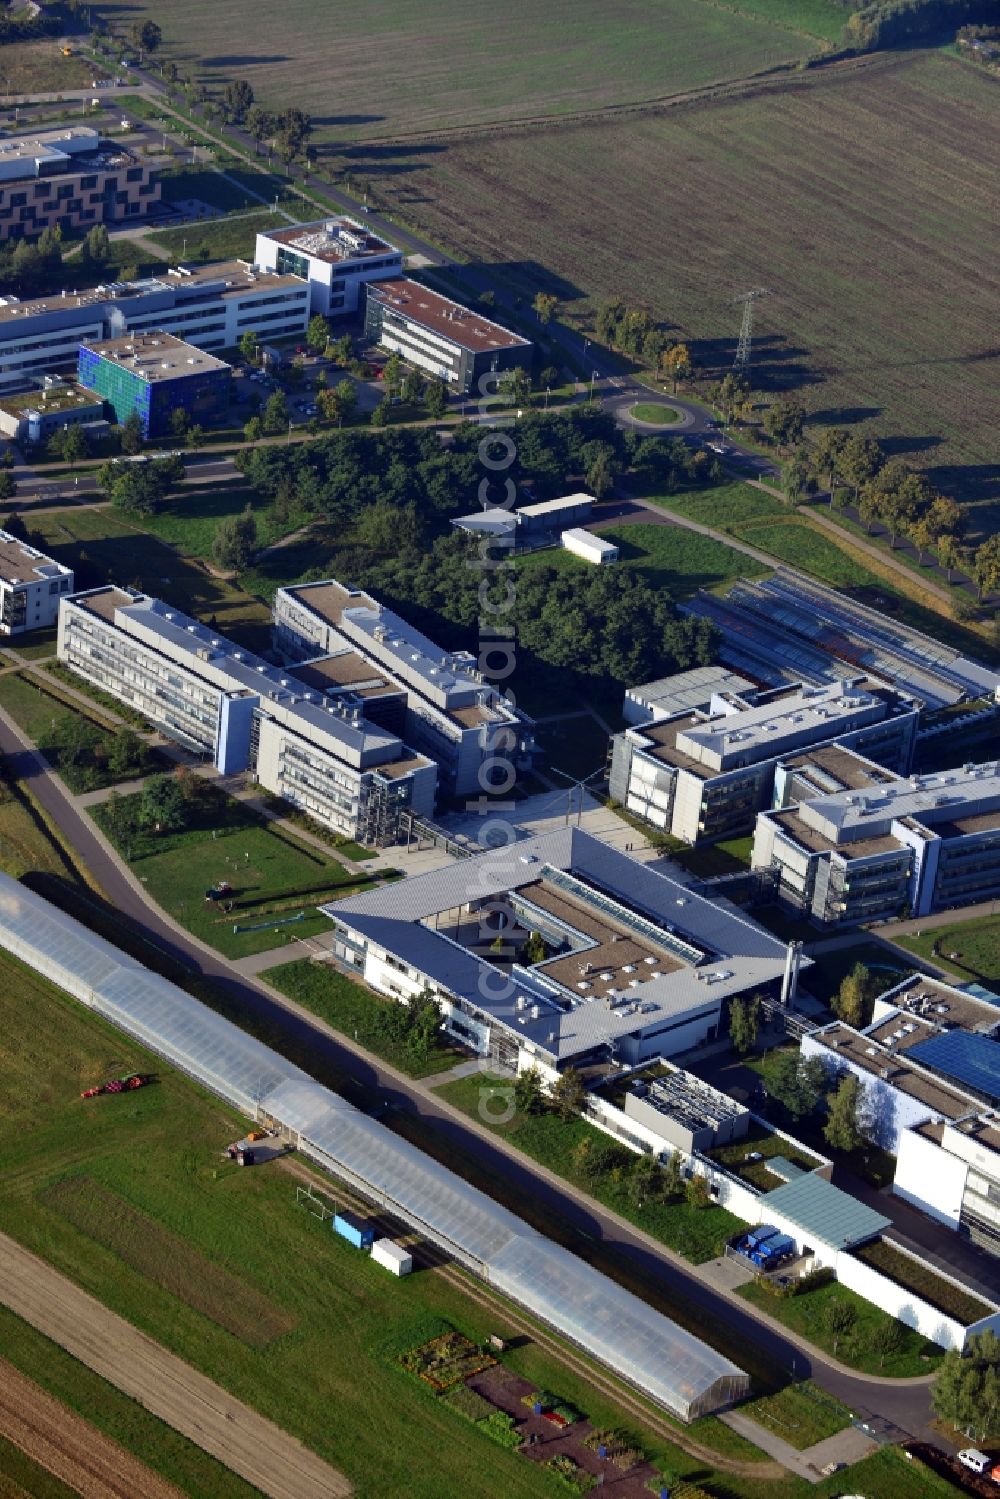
(971, 1457)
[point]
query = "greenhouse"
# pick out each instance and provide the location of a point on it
(647, 1349)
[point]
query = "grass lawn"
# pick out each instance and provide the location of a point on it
(969, 948)
(678, 561)
(209, 185)
(888, 1475)
(921, 1279)
(40, 68)
(726, 507)
(357, 1012)
(26, 845)
(219, 239)
(805, 1315)
(191, 517)
(578, 746)
(274, 877)
(103, 548)
(730, 856)
(800, 1414)
(655, 411)
(35, 645)
(331, 1378)
(46, 719)
(697, 1233)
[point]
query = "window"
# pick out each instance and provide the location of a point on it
(134, 174)
(86, 182)
(54, 586)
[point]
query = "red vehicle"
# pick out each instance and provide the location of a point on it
(118, 1085)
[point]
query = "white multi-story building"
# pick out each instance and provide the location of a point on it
(452, 713)
(336, 256)
(31, 586)
(210, 306)
(226, 703)
(903, 844)
(451, 342)
(705, 775)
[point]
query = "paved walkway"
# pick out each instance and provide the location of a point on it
(768, 1441)
(248, 1443)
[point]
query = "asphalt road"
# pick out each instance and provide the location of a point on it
(905, 1405)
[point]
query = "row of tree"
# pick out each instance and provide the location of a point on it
(141, 488)
(967, 1389)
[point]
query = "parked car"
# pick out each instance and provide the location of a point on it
(971, 1457)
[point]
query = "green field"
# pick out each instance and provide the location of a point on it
(357, 1012)
(728, 506)
(105, 549)
(656, 412)
(228, 192)
(969, 948)
(399, 71)
(46, 719)
(854, 195)
(669, 557)
(800, 1414)
(805, 1315)
(274, 876)
(230, 238)
(190, 518)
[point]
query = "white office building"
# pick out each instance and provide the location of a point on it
(210, 306)
(705, 775)
(226, 703)
(453, 714)
(912, 844)
(31, 586)
(336, 257)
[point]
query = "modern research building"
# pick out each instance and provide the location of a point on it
(443, 338)
(209, 306)
(152, 375)
(70, 179)
(336, 257)
(31, 586)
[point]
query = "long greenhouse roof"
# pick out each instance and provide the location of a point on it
(649, 1350)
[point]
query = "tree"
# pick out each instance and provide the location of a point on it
(986, 566)
(253, 429)
(966, 1391)
(178, 422)
(436, 398)
(318, 333)
(14, 525)
(8, 489)
(235, 540)
(744, 1019)
(826, 453)
(696, 1192)
(514, 387)
(887, 1338)
(949, 555)
(853, 1001)
(676, 362)
(131, 434)
(672, 1174)
(249, 347)
(259, 124)
(798, 477)
(545, 305)
(534, 950)
(796, 1083)
(392, 373)
(600, 474)
(528, 1091)
(162, 806)
(839, 1317)
(858, 461)
(923, 535)
(783, 422)
(275, 416)
(645, 1181)
(237, 99)
(126, 753)
(412, 388)
(568, 1094)
(842, 1129)
(144, 36)
(97, 246)
(382, 413)
(118, 818)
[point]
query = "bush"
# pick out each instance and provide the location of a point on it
(571, 1474)
(500, 1428)
(468, 1403)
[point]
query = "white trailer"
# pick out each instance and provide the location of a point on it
(391, 1257)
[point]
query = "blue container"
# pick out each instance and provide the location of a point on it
(357, 1231)
(758, 1236)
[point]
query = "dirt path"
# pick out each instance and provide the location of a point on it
(69, 1447)
(276, 1463)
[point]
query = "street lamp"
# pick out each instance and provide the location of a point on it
(577, 783)
(593, 377)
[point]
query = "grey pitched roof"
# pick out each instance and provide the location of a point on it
(824, 1212)
(743, 954)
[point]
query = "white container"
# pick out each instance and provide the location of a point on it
(388, 1254)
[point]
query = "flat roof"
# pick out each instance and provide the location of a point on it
(651, 905)
(334, 239)
(443, 316)
(943, 1004)
(21, 563)
(347, 671)
(233, 278)
(556, 507)
(329, 599)
(614, 961)
(156, 356)
(41, 145)
(824, 1212)
(789, 820)
(587, 538)
(851, 770)
(762, 731)
(941, 797)
(61, 396)
(904, 1072)
(688, 689)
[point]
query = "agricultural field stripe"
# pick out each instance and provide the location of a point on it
(70, 1448)
(252, 1446)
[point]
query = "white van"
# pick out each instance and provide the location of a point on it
(971, 1457)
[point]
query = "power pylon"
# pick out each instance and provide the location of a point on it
(748, 298)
